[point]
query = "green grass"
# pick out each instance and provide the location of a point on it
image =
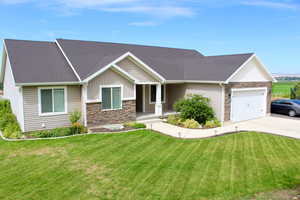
(146, 165)
(282, 89)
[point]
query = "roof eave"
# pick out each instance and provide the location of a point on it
(48, 83)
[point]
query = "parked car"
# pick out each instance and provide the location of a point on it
(290, 107)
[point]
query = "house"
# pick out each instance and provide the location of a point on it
(113, 83)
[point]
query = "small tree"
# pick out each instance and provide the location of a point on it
(295, 92)
(195, 107)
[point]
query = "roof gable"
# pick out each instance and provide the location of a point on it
(38, 62)
(251, 71)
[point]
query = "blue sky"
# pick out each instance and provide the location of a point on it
(270, 28)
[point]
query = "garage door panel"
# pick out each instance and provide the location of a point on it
(248, 104)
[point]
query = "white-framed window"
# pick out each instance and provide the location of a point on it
(111, 97)
(52, 100)
(153, 93)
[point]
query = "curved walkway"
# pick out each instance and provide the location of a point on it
(271, 124)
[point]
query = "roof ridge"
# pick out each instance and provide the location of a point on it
(238, 54)
(8, 39)
(141, 45)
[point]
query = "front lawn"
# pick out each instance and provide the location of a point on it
(146, 165)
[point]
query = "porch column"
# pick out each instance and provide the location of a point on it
(158, 104)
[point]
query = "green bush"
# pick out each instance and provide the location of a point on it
(195, 107)
(7, 119)
(12, 130)
(8, 122)
(75, 117)
(77, 128)
(212, 124)
(295, 92)
(173, 119)
(5, 107)
(57, 132)
(135, 125)
(190, 123)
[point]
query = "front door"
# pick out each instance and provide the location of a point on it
(139, 98)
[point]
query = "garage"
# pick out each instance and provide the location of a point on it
(248, 103)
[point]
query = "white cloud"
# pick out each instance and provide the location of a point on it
(92, 3)
(145, 23)
(163, 11)
(273, 4)
(157, 8)
(14, 1)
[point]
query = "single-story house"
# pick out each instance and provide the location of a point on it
(113, 83)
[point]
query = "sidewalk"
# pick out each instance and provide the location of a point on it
(272, 125)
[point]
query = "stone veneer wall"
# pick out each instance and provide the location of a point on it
(245, 85)
(96, 117)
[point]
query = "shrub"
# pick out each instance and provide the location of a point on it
(135, 125)
(12, 130)
(195, 107)
(8, 121)
(173, 119)
(58, 132)
(77, 128)
(5, 107)
(75, 117)
(212, 124)
(190, 123)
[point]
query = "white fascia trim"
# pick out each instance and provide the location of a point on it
(52, 113)
(245, 63)
(124, 73)
(48, 83)
(118, 60)
(194, 81)
(69, 62)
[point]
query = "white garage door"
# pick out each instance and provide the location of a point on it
(248, 103)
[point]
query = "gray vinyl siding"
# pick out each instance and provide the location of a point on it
(31, 110)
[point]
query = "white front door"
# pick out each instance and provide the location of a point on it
(248, 103)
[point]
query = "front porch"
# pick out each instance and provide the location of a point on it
(156, 100)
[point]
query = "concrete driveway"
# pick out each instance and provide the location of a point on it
(274, 125)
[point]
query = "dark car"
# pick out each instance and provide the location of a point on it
(286, 106)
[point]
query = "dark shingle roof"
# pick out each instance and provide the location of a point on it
(89, 57)
(38, 62)
(214, 68)
(44, 62)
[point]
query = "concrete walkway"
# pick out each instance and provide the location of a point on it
(273, 125)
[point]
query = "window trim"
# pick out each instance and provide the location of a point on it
(111, 86)
(52, 113)
(153, 102)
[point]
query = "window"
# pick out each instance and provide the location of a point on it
(52, 100)
(153, 93)
(111, 98)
